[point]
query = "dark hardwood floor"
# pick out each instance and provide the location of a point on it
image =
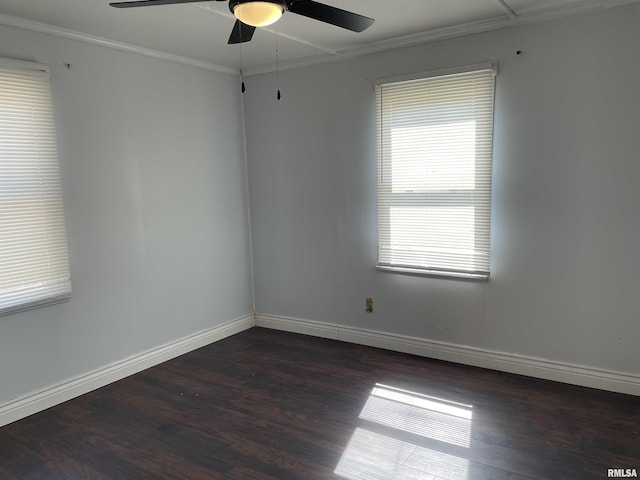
(270, 405)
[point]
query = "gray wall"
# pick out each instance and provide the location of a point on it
(565, 229)
(154, 192)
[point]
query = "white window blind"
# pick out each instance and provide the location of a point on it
(435, 138)
(34, 265)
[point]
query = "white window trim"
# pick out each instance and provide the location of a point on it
(439, 73)
(24, 65)
(55, 288)
(411, 270)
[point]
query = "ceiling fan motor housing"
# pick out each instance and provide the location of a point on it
(233, 4)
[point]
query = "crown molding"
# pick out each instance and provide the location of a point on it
(32, 26)
(430, 36)
(573, 8)
(511, 18)
(386, 45)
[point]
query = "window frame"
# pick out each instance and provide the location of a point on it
(465, 196)
(35, 246)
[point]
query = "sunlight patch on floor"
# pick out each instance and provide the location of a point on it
(371, 456)
(423, 415)
(390, 456)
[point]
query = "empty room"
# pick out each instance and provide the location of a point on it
(340, 239)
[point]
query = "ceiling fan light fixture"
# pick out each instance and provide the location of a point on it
(258, 13)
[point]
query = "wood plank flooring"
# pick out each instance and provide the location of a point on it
(269, 405)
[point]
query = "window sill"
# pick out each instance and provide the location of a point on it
(434, 273)
(23, 307)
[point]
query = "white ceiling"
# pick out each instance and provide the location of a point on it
(198, 32)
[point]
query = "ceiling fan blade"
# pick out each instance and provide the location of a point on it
(328, 14)
(149, 3)
(241, 33)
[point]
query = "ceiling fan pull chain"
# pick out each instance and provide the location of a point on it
(242, 88)
(277, 72)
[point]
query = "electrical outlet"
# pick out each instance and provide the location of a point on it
(369, 305)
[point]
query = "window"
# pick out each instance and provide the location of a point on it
(34, 265)
(434, 172)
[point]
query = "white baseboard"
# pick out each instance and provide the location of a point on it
(36, 402)
(506, 362)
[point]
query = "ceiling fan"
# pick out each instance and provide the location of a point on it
(260, 13)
